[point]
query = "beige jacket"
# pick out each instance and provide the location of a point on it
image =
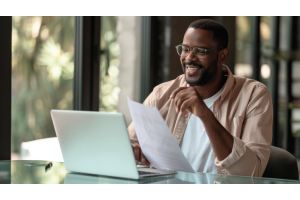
(244, 108)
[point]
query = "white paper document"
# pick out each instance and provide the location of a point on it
(156, 140)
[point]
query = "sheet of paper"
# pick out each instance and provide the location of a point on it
(156, 140)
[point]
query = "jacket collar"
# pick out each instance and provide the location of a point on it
(229, 82)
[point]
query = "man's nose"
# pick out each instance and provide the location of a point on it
(191, 57)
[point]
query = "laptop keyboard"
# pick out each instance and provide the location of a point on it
(143, 173)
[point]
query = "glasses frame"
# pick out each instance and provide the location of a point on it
(206, 50)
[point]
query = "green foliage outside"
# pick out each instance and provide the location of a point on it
(42, 75)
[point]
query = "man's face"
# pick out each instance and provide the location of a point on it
(198, 72)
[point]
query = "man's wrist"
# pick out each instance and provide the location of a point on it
(205, 114)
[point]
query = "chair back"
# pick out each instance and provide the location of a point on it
(281, 165)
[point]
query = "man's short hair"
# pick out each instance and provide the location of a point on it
(220, 33)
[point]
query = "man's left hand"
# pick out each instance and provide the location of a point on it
(187, 98)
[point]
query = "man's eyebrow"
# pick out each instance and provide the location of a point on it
(195, 46)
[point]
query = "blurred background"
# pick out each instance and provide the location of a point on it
(94, 63)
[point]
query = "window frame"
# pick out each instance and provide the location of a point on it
(5, 87)
(87, 32)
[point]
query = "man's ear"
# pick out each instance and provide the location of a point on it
(223, 55)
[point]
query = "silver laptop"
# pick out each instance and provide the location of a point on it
(98, 143)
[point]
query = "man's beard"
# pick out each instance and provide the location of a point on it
(206, 73)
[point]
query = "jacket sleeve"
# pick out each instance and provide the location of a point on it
(251, 152)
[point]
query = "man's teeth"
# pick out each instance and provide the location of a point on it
(192, 69)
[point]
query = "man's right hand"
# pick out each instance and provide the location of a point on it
(138, 154)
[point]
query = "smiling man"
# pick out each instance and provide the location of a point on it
(222, 122)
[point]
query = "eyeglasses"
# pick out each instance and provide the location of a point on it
(199, 52)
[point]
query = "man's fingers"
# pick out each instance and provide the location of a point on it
(176, 91)
(136, 152)
(179, 98)
(138, 155)
(180, 95)
(189, 108)
(180, 101)
(185, 105)
(144, 160)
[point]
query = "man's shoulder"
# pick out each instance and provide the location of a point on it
(248, 85)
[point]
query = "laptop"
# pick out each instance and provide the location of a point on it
(98, 143)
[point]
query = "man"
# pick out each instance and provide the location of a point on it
(222, 123)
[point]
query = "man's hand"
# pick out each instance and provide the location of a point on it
(187, 98)
(138, 154)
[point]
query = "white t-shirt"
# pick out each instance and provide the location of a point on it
(196, 145)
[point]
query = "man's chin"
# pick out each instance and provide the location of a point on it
(193, 81)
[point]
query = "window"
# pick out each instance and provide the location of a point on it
(42, 76)
(266, 49)
(243, 65)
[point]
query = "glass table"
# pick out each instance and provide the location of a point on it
(42, 172)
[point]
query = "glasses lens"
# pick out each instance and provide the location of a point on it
(179, 49)
(200, 52)
(182, 50)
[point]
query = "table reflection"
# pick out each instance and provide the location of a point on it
(196, 178)
(5, 173)
(78, 178)
(37, 172)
